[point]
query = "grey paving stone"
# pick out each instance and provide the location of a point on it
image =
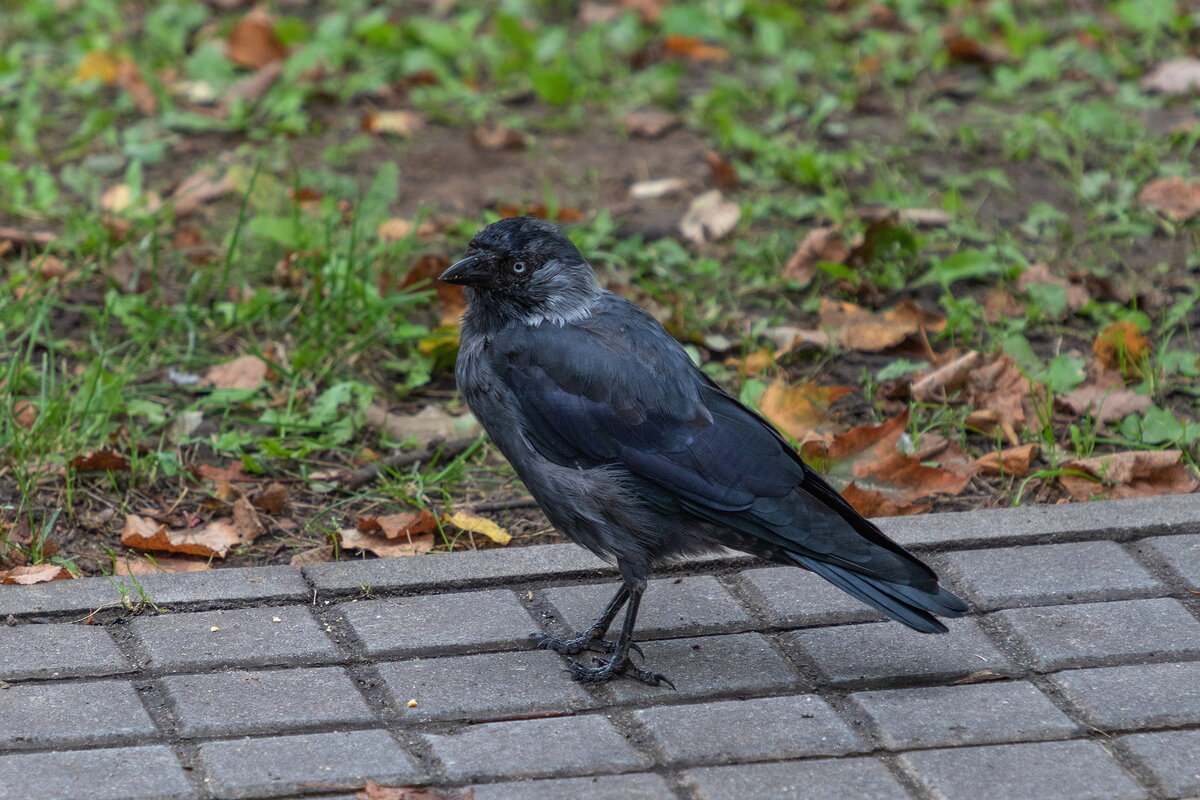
(268, 701)
(1090, 633)
(78, 596)
(1144, 695)
(695, 604)
(458, 569)
(60, 713)
(827, 779)
(243, 637)
(983, 713)
(643, 786)
(744, 730)
(1173, 758)
(880, 652)
(58, 651)
(1053, 573)
(791, 597)
(536, 748)
(710, 665)
(1182, 553)
(1075, 770)
(1130, 518)
(438, 622)
(482, 687)
(123, 773)
(282, 765)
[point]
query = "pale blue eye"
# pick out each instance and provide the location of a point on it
(519, 267)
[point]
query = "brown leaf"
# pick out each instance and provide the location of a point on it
(450, 296)
(394, 526)
(250, 88)
(1177, 76)
(1122, 346)
(271, 499)
(397, 123)
(1104, 403)
(212, 539)
(247, 372)
(979, 676)
(498, 137)
(694, 49)
(876, 504)
(1013, 462)
(252, 42)
(245, 520)
(859, 329)
(709, 217)
(999, 392)
(315, 555)
(801, 411)
(100, 460)
(1039, 273)
(819, 244)
(1138, 473)
(650, 123)
(1176, 198)
(723, 172)
(197, 189)
(872, 442)
(385, 547)
(752, 364)
(432, 423)
(129, 78)
(969, 50)
(35, 573)
(134, 564)
(230, 473)
(373, 791)
(907, 479)
(944, 381)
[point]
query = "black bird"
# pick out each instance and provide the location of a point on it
(634, 453)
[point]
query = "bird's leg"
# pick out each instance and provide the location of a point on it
(620, 664)
(593, 637)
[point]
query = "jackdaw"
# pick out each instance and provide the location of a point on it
(634, 453)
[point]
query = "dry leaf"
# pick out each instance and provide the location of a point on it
(100, 460)
(944, 381)
(649, 190)
(385, 547)
(469, 522)
(969, 50)
(373, 791)
(801, 411)
(499, 137)
(134, 564)
(1105, 404)
(35, 573)
(1173, 197)
(398, 123)
(245, 520)
(129, 78)
(230, 473)
(859, 329)
(197, 189)
(876, 504)
(210, 540)
(271, 499)
(247, 372)
(979, 676)
(709, 217)
(1013, 462)
(252, 42)
(694, 49)
(431, 424)
(251, 88)
(315, 555)
(1039, 273)
(999, 393)
(1122, 346)
(97, 65)
(819, 244)
(723, 172)
(1177, 76)
(1139, 473)
(394, 526)
(425, 273)
(650, 123)
(752, 364)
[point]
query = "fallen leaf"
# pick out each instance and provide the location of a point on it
(252, 42)
(97, 65)
(250, 88)
(694, 49)
(1122, 346)
(1138, 473)
(134, 564)
(1176, 198)
(35, 573)
(210, 540)
(450, 296)
(946, 380)
(392, 230)
(661, 187)
(802, 411)
(315, 555)
(120, 199)
(1105, 404)
(271, 499)
(650, 123)
(129, 78)
(1013, 461)
(999, 392)
(398, 123)
(709, 217)
(752, 364)
(498, 137)
(723, 172)
(197, 189)
(1039, 274)
(859, 329)
(352, 538)
(245, 520)
(394, 526)
(232, 472)
(921, 217)
(1177, 76)
(819, 244)
(100, 460)
(469, 522)
(373, 791)
(432, 423)
(969, 50)
(979, 676)
(876, 504)
(247, 372)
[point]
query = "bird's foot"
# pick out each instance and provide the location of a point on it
(617, 665)
(577, 644)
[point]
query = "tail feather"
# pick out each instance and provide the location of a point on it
(904, 604)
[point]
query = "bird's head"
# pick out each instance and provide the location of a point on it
(525, 266)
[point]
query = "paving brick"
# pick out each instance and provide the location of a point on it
(696, 604)
(77, 596)
(1182, 553)
(436, 623)
(732, 664)
(604, 787)
(536, 748)
(1075, 770)
(828, 779)
(243, 637)
(1083, 635)
(1053, 573)
(282, 765)
(123, 773)
(482, 687)
(1173, 758)
(270, 701)
(60, 713)
(983, 713)
(791, 597)
(457, 570)
(881, 652)
(58, 651)
(760, 729)
(1145, 695)
(223, 585)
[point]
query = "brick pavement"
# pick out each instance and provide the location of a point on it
(1078, 677)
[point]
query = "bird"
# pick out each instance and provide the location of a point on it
(636, 454)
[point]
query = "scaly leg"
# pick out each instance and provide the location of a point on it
(593, 638)
(620, 664)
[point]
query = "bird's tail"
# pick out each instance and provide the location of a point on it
(906, 604)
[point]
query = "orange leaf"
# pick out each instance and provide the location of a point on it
(394, 526)
(397, 123)
(1013, 462)
(385, 547)
(801, 411)
(247, 372)
(1138, 473)
(1173, 197)
(860, 329)
(1122, 346)
(876, 504)
(819, 244)
(252, 42)
(213, 539)
(694, 49)
(100, 460)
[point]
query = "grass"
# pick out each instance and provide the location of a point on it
(1032, 133)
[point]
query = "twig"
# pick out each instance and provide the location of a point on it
(18, 236)
(370, 472)
(505, 505)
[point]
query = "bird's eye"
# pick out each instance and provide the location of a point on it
(518, 267)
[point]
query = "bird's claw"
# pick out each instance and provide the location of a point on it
(576, 645)
(613, 667)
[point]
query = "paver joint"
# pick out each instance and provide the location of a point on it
(1077, 677)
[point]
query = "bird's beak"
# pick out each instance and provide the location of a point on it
(465, 272)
